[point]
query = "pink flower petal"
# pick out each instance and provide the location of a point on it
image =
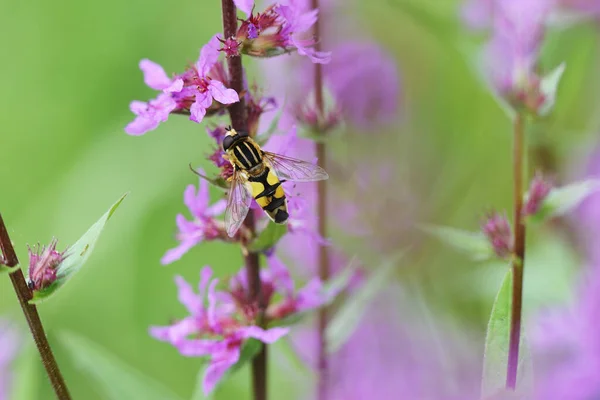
(176, 253)
(217, 208)
(176, 332)
(205, 275)
(281, 275)
(221, 94)
(154, 75)
(209, 54)
(140, 125)
(266, 336)
(218, 367)
(187, 297)
(198, 109)
(200, 347)
(245, 6)
(212, 303)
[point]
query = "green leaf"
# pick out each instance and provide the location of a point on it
(495, 356)
(4, 268)
(76, 255)
(268, 237)
(348, 317)
(474, 244)
(118, 380)
(549, 87)
(564, 199)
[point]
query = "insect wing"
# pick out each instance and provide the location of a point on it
(238, 204)
(295, 170)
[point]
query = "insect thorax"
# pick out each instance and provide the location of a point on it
(246, 155)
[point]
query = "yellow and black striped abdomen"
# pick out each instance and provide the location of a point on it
(267, 191)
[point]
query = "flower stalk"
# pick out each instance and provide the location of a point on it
(518, 259)
(321, 152)
(9, 258)
(239, 121)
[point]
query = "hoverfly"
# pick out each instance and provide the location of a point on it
(259, 174)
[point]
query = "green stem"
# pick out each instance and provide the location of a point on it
(10, 259)
(519, 254)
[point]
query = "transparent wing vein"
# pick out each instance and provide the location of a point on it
(294, 169)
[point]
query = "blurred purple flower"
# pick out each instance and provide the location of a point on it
(366, 92)
(244, 5)
(212, 330)
(202, 227)
(193, 91)
(566, 339)
(43, 265)
(477, 14)
(568, 344)
(387, 358)
(590, 7)
(513, 51)
(9, 347)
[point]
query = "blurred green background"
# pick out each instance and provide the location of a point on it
(70, 70)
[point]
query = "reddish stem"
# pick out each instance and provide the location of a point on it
(10, 259)
(519, 255)
(322, 364)
(239, 121)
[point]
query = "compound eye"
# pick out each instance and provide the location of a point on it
(243, 133)
(227, 142)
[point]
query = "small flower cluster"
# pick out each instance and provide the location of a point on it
(43, 265)
(221, 322)
(278, 30)
(200, 90)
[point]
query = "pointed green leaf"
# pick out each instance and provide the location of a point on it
(76, 255)
(564, 199)
(549, 87)
(268, 237)
(118, 380)
(473, 244)
(347, 318)
(495, 357)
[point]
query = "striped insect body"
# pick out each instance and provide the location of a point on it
(258, 175)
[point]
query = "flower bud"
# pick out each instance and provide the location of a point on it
(498, 231)
(43, 265)
(538, 191)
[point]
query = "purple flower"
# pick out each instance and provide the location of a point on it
(590, 7)
(310, 297)
(280, 29)
(43, 265)
(538, 191)
(202, 227)
(477, 14)
(203, 87)
(497, 229)
(388, 343)
(9, 347)
(216, 328)
(198, 90)
(513, 51)
(568, 345)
